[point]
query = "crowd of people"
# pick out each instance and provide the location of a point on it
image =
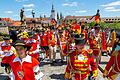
(80, 46)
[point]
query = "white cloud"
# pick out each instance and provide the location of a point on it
(28, 9)
(8, 12)
(113, 10)
(116, 3)
(21, 0)
(109, 8)
(82, 11)
(70, 4)
(28, 5)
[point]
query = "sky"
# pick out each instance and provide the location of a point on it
(11, 8)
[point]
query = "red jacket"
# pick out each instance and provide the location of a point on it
(7, 49)
(44, 40)
(104, 45)
(113, 66)
(79, 64)
(49, 34)
(37, 37)
(23, 70)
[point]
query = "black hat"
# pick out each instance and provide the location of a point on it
(6, 38)
(79, 39)
(97, 26)
(21, 43)
(31, 34)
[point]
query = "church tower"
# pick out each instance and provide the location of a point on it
(52, 12)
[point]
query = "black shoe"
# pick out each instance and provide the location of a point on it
(54, 61)
(51, 63)
(62, 61)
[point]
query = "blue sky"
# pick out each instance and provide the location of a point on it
(108, 8)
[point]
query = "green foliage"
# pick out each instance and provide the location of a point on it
(92, 24)
(114, 25)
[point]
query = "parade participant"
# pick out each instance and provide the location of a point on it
(112, 69)
(23, 35)
(37, 37)
(104, 43)
(13, 34)
(79, 61)
(76, 27)
(60, 38)
(85, 32)
(5, 47)
(94, 42)
(113, 39)
(52, 45)
(24, 66)
(70, 44)
(34, 50)
(44, 42)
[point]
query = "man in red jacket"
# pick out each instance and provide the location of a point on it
(34, 50)
(52, 45)
(44, 42)
(6, 46)
(79, 62)
(112, 69)
(24, 66)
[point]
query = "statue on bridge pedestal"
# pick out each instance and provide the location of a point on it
(33, 13)
(22, 17)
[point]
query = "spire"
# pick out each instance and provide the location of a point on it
(52, 7)
(52, 12)
(57, 15)
(61, 16)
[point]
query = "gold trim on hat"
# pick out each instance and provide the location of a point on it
(19, 44)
